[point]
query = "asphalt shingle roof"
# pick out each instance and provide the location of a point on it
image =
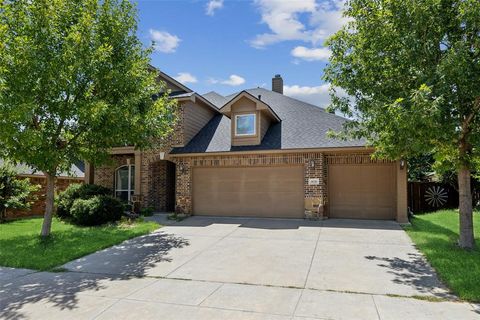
(76, 170)
(216, 99)
(303, 126)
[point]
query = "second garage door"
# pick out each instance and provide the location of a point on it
(250, 191)
(362, 191)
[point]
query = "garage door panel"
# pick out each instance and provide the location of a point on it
(363, 191)
(247, 191)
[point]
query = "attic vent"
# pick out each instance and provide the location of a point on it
(277, 84)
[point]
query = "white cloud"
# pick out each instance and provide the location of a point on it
(283, 18)
(212, 6)
(311, 54)
(318, 95)
(185, 77)
(164, 41)
(327, 20)
(233, 80)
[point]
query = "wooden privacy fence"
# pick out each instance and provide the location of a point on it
(431, 196)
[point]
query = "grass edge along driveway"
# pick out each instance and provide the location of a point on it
(22, 247)
(435, 235)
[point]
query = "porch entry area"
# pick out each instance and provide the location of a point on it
(160, 190)
(137, 180)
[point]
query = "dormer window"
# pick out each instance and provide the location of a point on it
(245, 124)
(250, 119)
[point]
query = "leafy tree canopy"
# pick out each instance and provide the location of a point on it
(412, 72)
(74, 82)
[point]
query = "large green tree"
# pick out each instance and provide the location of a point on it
(411, 70)
(74, 82)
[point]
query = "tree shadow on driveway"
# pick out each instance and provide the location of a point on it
(414, 272)
(130, 259)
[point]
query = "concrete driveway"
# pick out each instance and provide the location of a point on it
(236, 268)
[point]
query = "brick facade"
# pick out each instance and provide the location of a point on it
(105, 175)
(157, 181)
(161, 178)
(314, 166)
(156, 178)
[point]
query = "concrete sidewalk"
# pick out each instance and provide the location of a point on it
(227, 268)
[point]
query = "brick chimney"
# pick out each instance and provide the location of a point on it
(277, 84)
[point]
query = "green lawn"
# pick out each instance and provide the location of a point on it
(435, 235)
(22, 247)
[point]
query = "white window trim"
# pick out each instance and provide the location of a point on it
(254, 125)
(130, 189)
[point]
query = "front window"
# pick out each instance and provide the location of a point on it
(245, 124)
(125, 182)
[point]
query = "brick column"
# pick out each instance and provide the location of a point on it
(315, 194)
(183, 190)
(402, 205)
(138, 173)
(89, 173)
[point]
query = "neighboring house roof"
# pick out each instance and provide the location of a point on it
(303, 126)
(76, 171)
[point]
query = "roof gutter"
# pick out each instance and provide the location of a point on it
(195, 96)
(275, 151)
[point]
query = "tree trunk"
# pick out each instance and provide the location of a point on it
(3, 215)
(50, 193)
(465, 207)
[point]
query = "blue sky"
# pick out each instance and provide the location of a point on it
(227, 46)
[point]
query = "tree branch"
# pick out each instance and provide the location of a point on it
(469, 119)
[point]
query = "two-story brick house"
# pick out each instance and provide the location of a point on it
(256, 153)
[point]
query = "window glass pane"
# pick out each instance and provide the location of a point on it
(245, 124)
(132, 182)
(122, 195)
(122, 178)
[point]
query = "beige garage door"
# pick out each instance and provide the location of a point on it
(362, 191)
(252, 192)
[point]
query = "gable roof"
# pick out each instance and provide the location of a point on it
(226, 108)
(170, 80)
(303, 126)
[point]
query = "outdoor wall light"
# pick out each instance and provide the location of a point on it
(181, 168)
(162, 155)
(402, 164)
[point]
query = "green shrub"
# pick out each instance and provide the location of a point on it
(96, 210)
(15, 193)
(147, 211)
(77, 191)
